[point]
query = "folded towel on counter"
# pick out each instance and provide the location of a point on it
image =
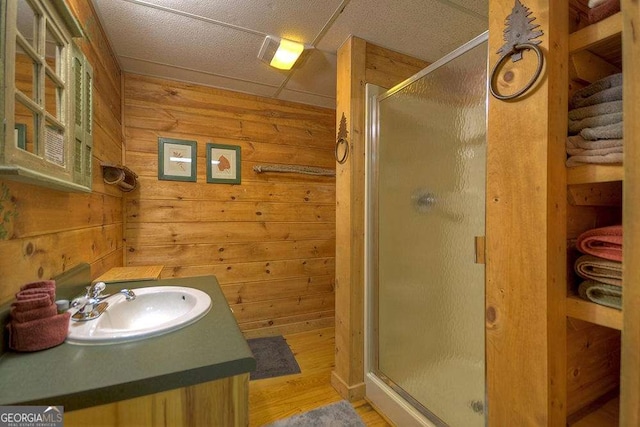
(614, 80)
(30, 293)
(602, 11)
(606, 159)
(601, 293)
(596, 110)
(21, 316)
(606, 95)
(612, 131)
(603, 242)
(601, 270)
(47, 284)
(35, 323)
(594, 3)
(575, 126)
(38, 334)
(577, 141)
(36, 301)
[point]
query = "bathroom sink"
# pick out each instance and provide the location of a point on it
(155, 311)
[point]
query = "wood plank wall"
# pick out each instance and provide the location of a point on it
(270, 240)
(49, 231)
(359, 63)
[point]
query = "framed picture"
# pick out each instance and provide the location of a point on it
(223, 164)
(177, 159)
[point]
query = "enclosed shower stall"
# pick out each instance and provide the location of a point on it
(425, 346)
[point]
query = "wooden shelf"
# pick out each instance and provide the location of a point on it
(589, 174)
(595, 34)
(131, 274)
(594, 313)
(604, 416)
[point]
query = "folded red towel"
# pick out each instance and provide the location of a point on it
(41, 284)
(39, 334)
(33, 302)
(603, 242)
(22, 316)
(29, 293)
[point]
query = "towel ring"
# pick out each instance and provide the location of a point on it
(517, 48)
(340, 142)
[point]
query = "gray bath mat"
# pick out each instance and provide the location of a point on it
(339, 414)
(273, 358)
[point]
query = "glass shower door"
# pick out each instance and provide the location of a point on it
(428, 192)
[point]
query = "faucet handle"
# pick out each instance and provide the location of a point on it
(96, 289)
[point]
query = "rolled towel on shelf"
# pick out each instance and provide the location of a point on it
(595, 110)
(577, 141)
(601, 293)
(613, 131)
(594, 3)
(608, 95)
(38, 334)
(602, 270)
(603, 242)
(575, 126)
(607, 159)
(613, 80)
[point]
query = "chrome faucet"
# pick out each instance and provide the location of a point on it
(92, 305)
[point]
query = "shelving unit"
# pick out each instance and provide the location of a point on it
(596, 34)
(591, 174)
(603, 40)
(594, 313)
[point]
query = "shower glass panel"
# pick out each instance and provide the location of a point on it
(428, 163)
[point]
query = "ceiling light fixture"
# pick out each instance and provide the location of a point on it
(280, 53)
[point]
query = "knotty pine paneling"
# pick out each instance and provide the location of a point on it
(270, 241)
(52, 231)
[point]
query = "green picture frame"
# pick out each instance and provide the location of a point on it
(177, 160)
(223, 164)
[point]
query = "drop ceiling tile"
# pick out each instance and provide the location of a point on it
(307, 98)
(299, 20)
(317, 74)
(191, 76)
(424, 29)
(178, 40)
(478, 7)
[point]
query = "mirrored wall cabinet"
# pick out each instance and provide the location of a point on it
(47, 97)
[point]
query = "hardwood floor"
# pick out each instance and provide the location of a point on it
(272, 399)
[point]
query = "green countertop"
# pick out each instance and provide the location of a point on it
(77, 377)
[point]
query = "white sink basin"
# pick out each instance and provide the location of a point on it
(155, 311)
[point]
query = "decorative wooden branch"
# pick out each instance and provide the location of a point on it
(307, 170)
(122, 176)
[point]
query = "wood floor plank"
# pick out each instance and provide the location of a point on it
(272, 399)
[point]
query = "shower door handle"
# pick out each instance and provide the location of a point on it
(479, 244)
